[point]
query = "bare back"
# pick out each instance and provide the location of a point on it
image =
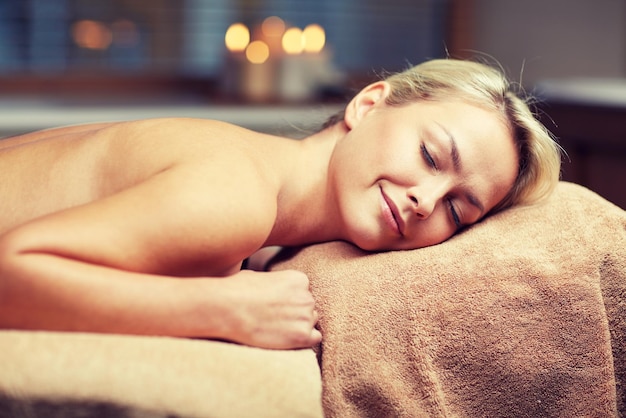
(50, 171)
(99, 222)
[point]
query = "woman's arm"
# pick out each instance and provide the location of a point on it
(112, 266)
(47, 292)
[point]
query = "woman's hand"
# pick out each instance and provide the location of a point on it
(271, 310)
(263, 309)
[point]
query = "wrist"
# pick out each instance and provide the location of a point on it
(204, 308)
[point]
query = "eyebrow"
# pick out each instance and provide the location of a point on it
(456, 163)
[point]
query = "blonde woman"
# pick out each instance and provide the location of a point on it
(141, 227)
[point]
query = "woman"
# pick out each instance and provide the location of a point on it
(101, 221)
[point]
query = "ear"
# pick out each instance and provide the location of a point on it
(364, 101)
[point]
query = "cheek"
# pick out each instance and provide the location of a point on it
(430, 232)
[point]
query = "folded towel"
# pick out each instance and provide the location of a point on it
(521, 315)
(75, 375)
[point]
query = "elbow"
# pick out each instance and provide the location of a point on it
(9, 250)
(11, 274)
(11, 246)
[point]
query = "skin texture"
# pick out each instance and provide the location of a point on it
(405, 161)
(141, 227)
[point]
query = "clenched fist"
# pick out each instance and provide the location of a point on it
(272, 310)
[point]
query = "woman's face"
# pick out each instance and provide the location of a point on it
(410, 176)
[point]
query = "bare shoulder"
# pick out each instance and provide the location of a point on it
(176, 140)
(56, 169)
(174, 196)
(217, 183)
(220, 153)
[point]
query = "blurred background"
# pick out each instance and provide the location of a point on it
(283, 66)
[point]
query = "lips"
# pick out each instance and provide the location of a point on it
(391, 215)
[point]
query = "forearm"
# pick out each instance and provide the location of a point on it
(41, 291)
(46, 292)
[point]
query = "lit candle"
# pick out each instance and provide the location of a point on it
(236, 39)
(294, 83)
(258, 76)
(306, 65)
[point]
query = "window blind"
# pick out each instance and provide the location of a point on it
(181, 37)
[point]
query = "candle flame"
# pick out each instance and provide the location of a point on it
(257, 52)
(237, 37)
(314, 38)
(91, 34)
(293, 41)
(273, 27)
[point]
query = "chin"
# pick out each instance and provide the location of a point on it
(368, 245)
(374, 246)
(399, 246)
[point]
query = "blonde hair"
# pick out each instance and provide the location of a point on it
(487, 87)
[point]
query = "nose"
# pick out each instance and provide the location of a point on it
(424, 199)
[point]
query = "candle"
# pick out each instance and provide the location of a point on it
(306, 65)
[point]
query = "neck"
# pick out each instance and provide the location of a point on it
(306, 205)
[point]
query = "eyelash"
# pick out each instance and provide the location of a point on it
(431, 162)
(429, 159)
(455, 216)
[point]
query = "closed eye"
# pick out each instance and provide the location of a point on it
(455, 215)
(429, 159)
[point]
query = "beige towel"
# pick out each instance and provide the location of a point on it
(73, 375)
(522, 315)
